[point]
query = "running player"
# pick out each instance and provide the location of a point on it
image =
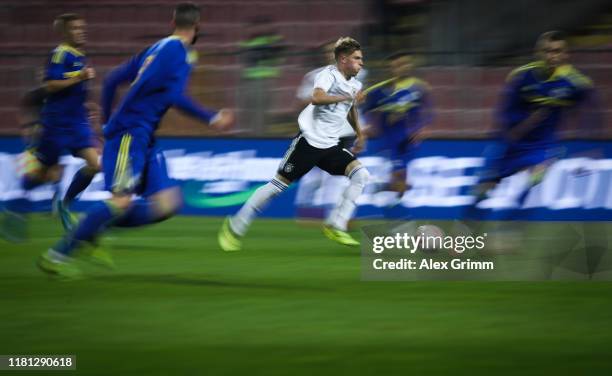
(315, 180)
(64, 118)
(317, 144)
(131, 162)
(401, 107)
(533, 104)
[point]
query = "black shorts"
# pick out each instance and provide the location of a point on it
(302, 157)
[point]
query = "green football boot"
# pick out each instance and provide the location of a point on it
(228, 240)
(65, 270)
(339, 236)
(96, 255)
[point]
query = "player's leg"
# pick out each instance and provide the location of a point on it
(36, 164)
(58, 259)
(82, 146)
(80, 181)
(535, 162)
(84, 175)
(152, 209)
(161, 198)
(497, 163)
(401, 154)
(310, 184)
(397, 181)
(340, 161)
(14, 219)
(299, 159)
(123, 160)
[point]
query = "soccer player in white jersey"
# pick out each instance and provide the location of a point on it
(321, 123)
(315, 180)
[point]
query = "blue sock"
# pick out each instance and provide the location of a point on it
(140, 213)
(80, 181)
(96, 220)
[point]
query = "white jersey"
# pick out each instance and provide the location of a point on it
(323, 125)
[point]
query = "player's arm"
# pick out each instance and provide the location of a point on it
(320, 97)
(85, 74)
(323, 82)
(144, 69)
(217, 119)
(184, 103)
(353, 119)
(124, 73)
(56, 76)
(304, 92)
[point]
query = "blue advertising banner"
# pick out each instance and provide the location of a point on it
(218, 175)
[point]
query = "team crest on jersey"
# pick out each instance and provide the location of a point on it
(288, 167)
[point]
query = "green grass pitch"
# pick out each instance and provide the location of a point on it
(291, 303)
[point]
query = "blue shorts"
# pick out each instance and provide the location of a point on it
(53, 143)
(131, 165)
(503, 161)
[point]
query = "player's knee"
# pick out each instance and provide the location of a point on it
(91, 169)
(121, 202)
(173, 202)
(54, 174)
(282, 179)
(92, 166)
(168, 202)
(360, 176)
(277, 185)
(92, 160)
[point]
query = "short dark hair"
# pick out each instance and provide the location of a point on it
(61, 21)
(186, 15)
(550, 36)
(346, 46)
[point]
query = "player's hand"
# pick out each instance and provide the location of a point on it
(222, 120)
(359, 97)
(359, 144)
(88, 73)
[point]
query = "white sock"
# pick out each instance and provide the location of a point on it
(342, 213)
(240, 222)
